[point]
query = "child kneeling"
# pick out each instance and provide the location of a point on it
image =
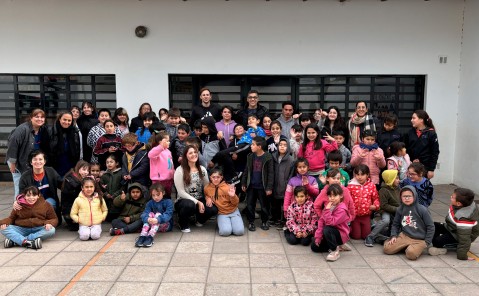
(333, 229)
(222, 195)
(301, 220)
(157, 216)
(34, 222)
(416, 224)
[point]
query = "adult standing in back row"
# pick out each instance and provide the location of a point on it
(252, 107)
(287, 119)
(360, 121)
(206, 108)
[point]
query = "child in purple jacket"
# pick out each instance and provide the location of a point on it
(301, 166)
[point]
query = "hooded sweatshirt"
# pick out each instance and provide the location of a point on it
(210, 142)
(225, 203)
(132, 207)
(161, 164)
(317, 158)
(283, 169)
(388, 194)
(413, 220)
(424, 189)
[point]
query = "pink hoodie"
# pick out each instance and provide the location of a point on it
(338, 218)
(374, 159)
(161, 164)
(317, 158)
(323, 199)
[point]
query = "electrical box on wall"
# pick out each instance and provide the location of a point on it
(442, 59)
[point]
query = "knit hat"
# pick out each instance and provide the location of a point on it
(389, 176)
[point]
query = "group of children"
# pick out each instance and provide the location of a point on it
(302, 184)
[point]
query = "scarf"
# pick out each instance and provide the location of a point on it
(369, 147)
(267, 132)
(355, 127)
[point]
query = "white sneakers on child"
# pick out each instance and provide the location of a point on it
(333, 255)
(433, 251)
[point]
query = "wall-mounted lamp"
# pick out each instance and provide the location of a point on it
(141, 31)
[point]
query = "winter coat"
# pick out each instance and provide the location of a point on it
(317, 158)
(311, 188)
(36, 215)
(57, 146)
(389, 199)
(401, 164)
(338, 217)
(71, 188)
(462, 224)
(110, 183)
(282, 173)
(425, 147)
(374, 159)
(386, 138)
(130, 207)
(161, 164)
(267, 172)
(164, 207)
(302, 218)
(363, 196)
(242, 115)
(323, 199)
(85, 124)
(248, 139)
(88, 213)
(225, 203)
(140, 165)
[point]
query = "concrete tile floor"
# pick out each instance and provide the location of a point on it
(203, 263)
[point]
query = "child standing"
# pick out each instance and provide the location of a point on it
(412, 229)
(110, 184)
(389, 133)
(143, 133)
(257, 181)
(334, 159)
(273, 141)
(302, 178)
(135, 164)
(314, 149)
(399, 159)
(460, 229)
(223, 196)
(369, 154)
(423, 186)
(89, 210)
(301, 220)
(366, 200)
(109, 143)
(131, 207)
(173, 120)
(283, 169)
(157, 216)
(266, 125)
(389, 202)
(296, 139)
(161, 162)
(178, 144)
(35, 222)
(339, 138)
(209, 140)
(333, 229)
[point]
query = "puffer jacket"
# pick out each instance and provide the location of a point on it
(311, 188)
(338, 217)
(302, 218)
(374, 159)
(38, 214)
(462, 224)
(130, 207)
(88, 213)
(363, 196)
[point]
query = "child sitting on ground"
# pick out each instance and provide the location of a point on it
(157, 216)
(412, 229)
(333, 229)
(89, 210)
(338, 136)
(423, 186)
(461, 227)
(301, 220)
(131, 205)
(36, 221)
(389, 202)
(223, 196)
(366, 201)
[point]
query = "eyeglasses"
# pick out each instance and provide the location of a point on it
(252, 97)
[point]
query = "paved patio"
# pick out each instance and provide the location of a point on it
(203, 263)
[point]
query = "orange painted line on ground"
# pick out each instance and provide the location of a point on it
(472, 255)
(85, 268)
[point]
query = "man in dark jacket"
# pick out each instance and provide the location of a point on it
(252, 107)
(206, 108)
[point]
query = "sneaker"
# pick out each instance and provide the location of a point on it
(333, 255)
(198, 224)
(252, 227)
(369, 241)
(433, 251)
(186, 230)
(264, 226)
(281, 226)
(148, 241)
(380, 239)
(116, 231)
(140, 241)
(33, 244)
(345, 247)
(8, 243)
(256, 215)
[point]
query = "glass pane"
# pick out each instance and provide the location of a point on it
(6, 78)
(341, 106)
(385, 97)
(7, 104)
(108, 105)
(277, 98)
(363, 97)
(80, 97)
(385, 88)
(28, 79)
(310, 80)
(360, 80)
(329, 98)
(105, 79)
(309, 89)
(29, 87)
(105, 87)
(54, 87)
(4, 87)
(335, 80)
(385, 80)
(271, 89)
(408, 98)
(407, 80)
(353, 88)
(54, 79)
(80, 87)
(309, 107)
(80, 79)
(106, 97)
(221, 97)
(408, 88)
(330, 89)
(7, 96)
(309, 98)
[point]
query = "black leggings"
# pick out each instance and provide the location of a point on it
(331, 240)
(442, 237)
(187, 208)
(293, 240)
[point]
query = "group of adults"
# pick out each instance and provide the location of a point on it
(74, 133)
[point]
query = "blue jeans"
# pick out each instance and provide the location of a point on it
(18, 234)
(230, 223)
(52, 202)
(381, 225)
(16, 180)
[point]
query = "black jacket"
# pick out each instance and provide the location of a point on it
(85, 124)
(425, 148)
(242, 115)
(58, 134)
(201, 112)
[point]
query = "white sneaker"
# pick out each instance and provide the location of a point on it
(345, 247)
(333, 255)
(198, 224)
(433, 251)
(186, 230)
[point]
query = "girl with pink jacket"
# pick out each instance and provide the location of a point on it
(369, 153)
(161, 162)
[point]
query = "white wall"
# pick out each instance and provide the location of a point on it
(467, 137)
(240, 37)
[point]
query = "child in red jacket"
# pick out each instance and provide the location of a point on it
(366, 200)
